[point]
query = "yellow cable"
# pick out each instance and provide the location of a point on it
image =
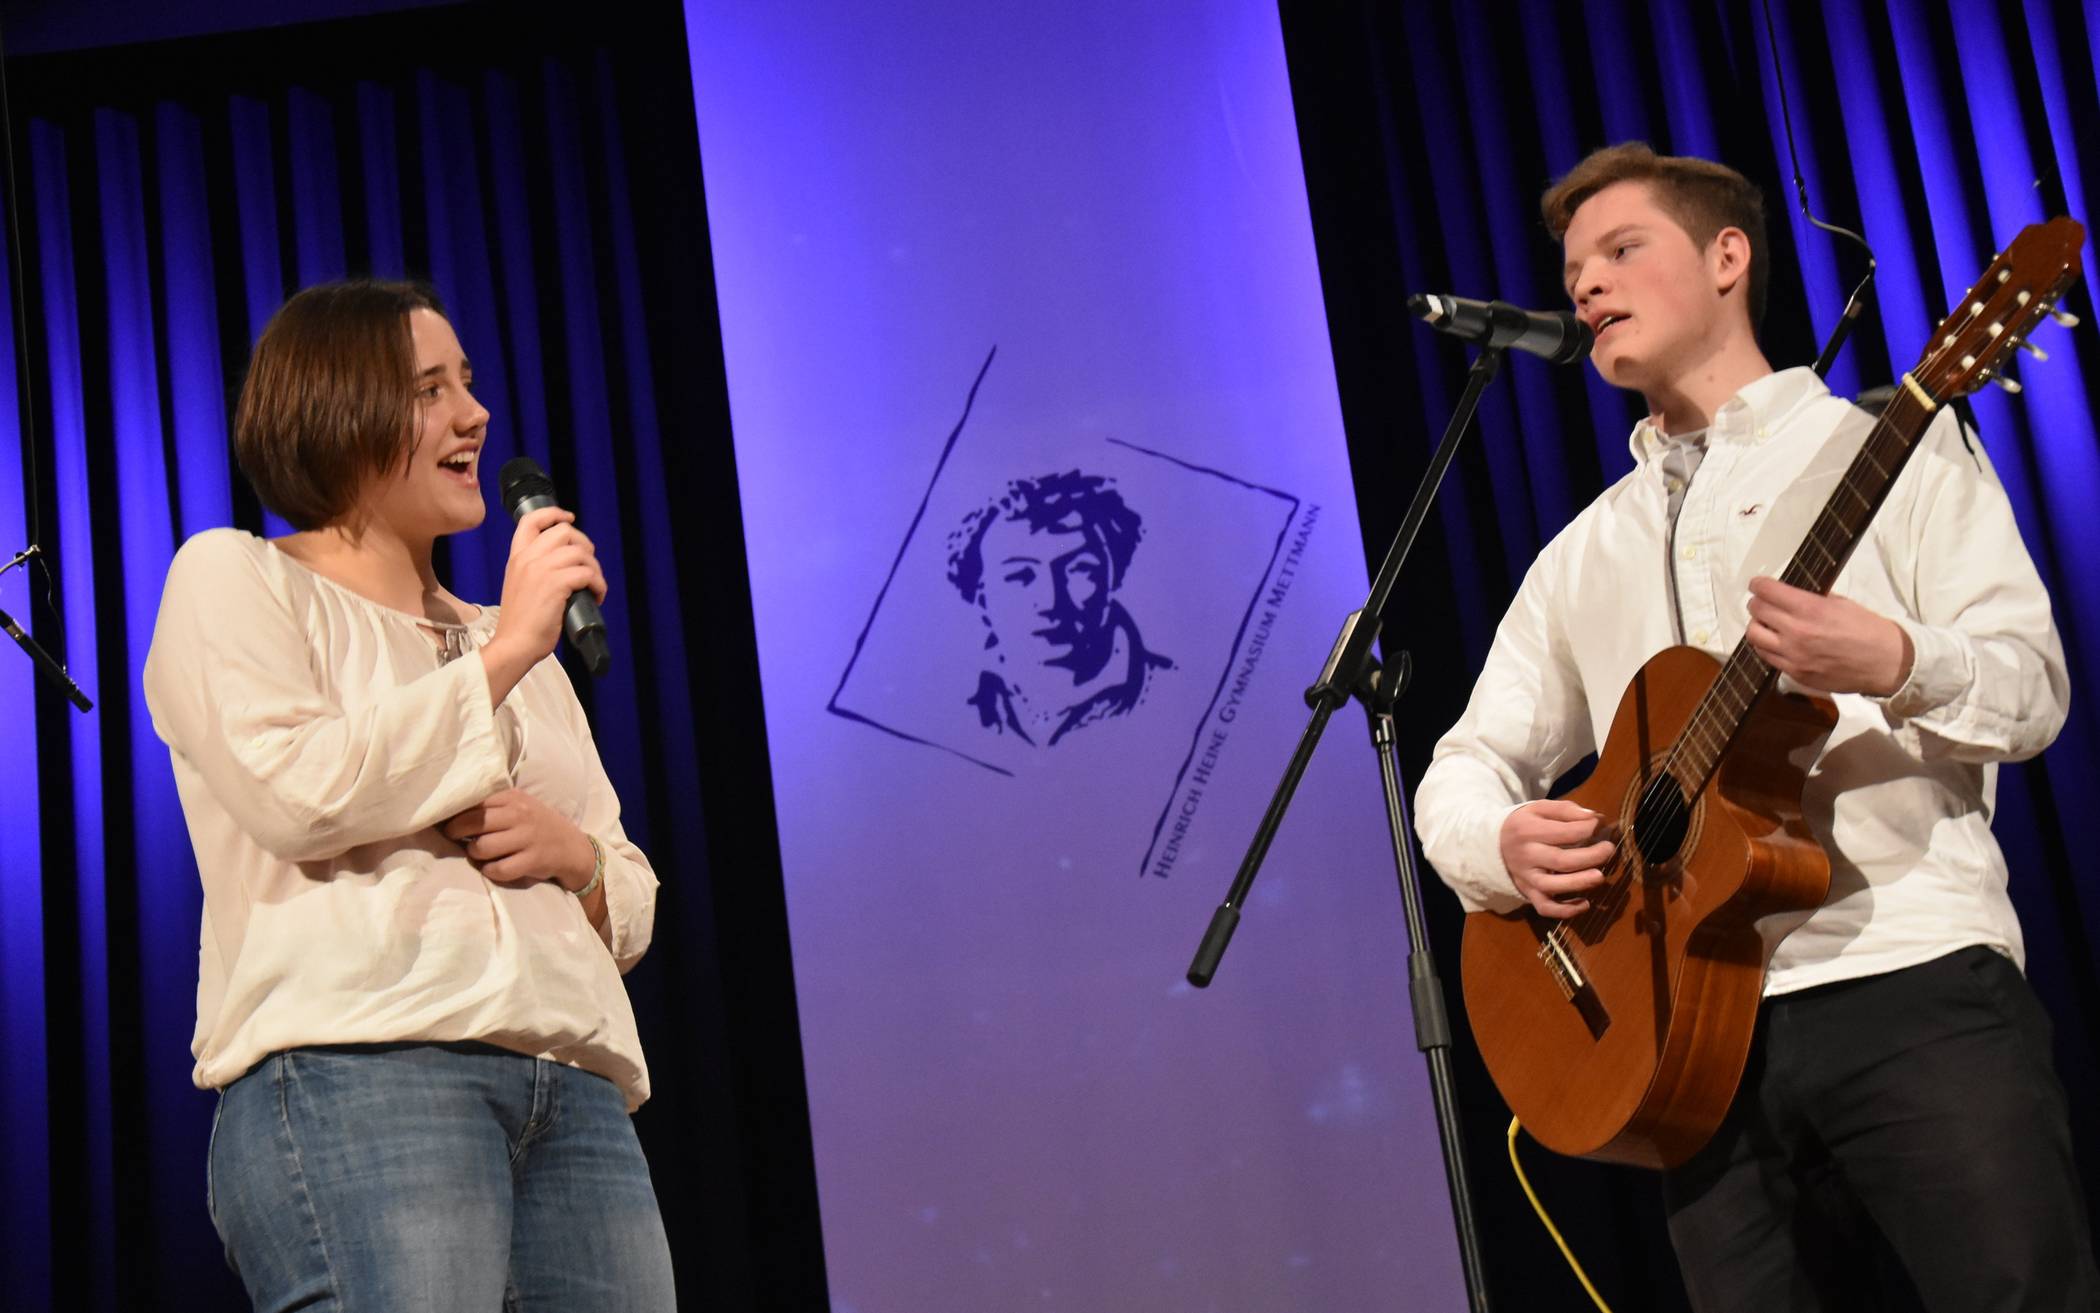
(1551, 1229)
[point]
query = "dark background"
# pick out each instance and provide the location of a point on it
(1427, 133)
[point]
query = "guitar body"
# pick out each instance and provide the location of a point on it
(1639, 1063)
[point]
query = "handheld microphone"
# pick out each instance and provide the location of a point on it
(1556, 335)
(525, 488)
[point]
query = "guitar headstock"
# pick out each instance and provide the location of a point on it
(1995, 317)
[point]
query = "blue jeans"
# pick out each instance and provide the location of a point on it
(434, 1177)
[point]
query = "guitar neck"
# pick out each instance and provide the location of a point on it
(1843, 520)
(1829, 543)
(1969, 347)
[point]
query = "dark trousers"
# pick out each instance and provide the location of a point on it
(1898, 1142)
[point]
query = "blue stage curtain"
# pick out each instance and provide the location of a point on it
(169, 207)
(1937, 128)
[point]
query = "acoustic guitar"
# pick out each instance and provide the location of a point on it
(1621, 1033)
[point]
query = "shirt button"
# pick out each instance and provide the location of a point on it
(1673, 485)
(1690, 552)
(1699, 637)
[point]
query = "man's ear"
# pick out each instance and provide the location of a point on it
(1728, 256)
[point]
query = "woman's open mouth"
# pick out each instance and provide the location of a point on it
(461, 468)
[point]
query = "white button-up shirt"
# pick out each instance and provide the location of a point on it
(1902, 794)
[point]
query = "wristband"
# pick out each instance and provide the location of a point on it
(597, 867)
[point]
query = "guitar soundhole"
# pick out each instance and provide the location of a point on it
(1661, 821)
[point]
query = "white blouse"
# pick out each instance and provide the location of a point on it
(319, 739)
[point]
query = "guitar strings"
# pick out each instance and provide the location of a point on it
(1617, 884)
(1617, 887)
(1744, 666)
(1620, 867)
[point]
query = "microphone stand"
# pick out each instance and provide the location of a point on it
(1352, 670)
(37, 654)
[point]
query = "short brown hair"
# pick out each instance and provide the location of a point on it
(329, 400)
(1702, 196)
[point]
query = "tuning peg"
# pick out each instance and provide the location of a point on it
(2011, 385)
(2064, 317)
(2030, 348)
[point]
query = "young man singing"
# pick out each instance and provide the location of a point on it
(1900, 1056)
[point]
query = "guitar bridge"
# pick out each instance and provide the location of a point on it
(1574, 985)
(1567, 973)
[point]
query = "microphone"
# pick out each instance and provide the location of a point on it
(1556, 335)
(525, 488)
(44, 662)
(37, 655)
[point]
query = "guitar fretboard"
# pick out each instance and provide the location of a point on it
(1829, 543)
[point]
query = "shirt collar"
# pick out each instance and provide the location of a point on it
(1759, 408)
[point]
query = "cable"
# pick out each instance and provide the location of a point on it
(1551, 1229)
(1857, 302)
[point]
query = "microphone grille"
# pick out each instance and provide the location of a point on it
(521, 477)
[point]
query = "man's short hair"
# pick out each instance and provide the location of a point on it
(329, 400)
(1702, 196)
(1059, 503)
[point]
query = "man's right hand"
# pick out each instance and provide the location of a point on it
(1555, 851)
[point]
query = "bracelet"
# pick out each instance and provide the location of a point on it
(597, 867)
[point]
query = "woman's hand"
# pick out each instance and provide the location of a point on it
(549, 559)
(517, 840)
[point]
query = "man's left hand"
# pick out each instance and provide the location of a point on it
(1828, 644)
